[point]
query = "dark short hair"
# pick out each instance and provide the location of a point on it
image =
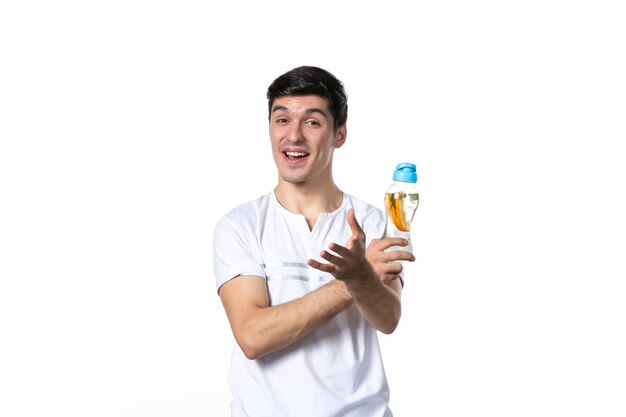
(307, 80)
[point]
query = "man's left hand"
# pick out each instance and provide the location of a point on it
(350, 261)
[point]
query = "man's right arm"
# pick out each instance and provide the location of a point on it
(260, 329)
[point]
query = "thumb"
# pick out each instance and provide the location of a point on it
(357, 239)
(354, 225)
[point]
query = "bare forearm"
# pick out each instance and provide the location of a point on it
(377, 302)
(272, 328)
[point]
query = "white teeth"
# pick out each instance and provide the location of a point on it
(290, 153)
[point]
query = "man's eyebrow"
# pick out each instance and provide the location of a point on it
(316, 110)
(280, 107)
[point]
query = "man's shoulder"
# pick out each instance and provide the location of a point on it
(246, 213)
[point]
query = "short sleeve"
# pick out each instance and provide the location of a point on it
(233, 253)
(373, 223)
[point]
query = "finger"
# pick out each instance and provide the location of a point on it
(385, 273)
(354, 225)
(392, 268)
(341, 250)
(399, 255)
(388, 242)
(387, 278)
(392, 278)
(335, 260)
(320, 266)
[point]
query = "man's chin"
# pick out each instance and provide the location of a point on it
(296, 180)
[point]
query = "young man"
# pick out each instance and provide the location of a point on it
(304, 285)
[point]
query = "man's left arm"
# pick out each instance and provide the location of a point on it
(371, 275)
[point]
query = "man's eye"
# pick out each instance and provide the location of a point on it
(313, 122)
(281, 120)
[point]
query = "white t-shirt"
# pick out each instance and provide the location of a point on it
(337, 370)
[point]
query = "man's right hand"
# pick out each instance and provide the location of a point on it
(384, 262)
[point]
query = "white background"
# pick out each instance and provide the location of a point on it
(129, 127)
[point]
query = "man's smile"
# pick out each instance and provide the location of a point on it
(295, 156)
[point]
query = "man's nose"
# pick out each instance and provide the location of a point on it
(294, 134)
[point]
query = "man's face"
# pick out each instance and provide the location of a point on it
(303, 138)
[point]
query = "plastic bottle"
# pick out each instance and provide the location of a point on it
(401, 201)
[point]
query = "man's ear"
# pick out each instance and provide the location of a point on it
(340, 136)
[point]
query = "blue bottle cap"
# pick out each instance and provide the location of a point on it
(405, 172)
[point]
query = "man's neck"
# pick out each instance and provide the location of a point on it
(309, 201)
